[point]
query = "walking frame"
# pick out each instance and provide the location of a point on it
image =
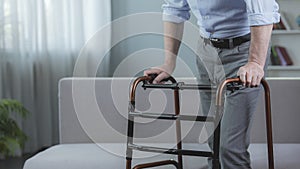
(228, 84)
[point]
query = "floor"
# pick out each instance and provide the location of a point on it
(14, 162)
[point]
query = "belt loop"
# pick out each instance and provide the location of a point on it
(231, 43)
(206, 41)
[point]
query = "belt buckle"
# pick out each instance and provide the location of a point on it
(215, 39)
(218, 43)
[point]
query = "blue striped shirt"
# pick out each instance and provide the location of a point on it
(223, 18)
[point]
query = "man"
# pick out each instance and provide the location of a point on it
(226, 27)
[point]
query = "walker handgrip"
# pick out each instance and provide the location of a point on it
(154, 75)
(232, 86)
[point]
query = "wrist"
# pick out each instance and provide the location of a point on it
(169, 67)
(170, 63)
(256, 63)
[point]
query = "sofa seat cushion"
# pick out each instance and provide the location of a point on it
(111, 156)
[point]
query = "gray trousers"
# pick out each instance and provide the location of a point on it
(215, 65)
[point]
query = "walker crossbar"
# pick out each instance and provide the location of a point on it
(183, 86)
(166, 116)
(170, 151)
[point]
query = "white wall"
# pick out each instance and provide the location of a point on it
(136, 45)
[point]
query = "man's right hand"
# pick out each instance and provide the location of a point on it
(163, 72)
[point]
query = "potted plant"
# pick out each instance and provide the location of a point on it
(12, 137)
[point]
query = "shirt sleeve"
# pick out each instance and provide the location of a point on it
(262, 12)
(176, 11)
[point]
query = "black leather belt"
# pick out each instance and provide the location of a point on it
(228, 43)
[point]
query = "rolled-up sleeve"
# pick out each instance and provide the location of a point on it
(262, 12)
(176, 11)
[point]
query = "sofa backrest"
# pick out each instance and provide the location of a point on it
(95, 110)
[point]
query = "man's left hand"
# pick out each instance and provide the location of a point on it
(251, 74)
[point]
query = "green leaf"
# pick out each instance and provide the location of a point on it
(11, 136)
(8, 146)
(8, 106)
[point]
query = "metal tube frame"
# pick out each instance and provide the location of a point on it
(219, 110)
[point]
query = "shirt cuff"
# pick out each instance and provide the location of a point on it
(263, 18)
(177, 16)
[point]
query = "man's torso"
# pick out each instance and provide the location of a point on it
(221, 18)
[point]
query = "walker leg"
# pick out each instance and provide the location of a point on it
(128, 163)
(178, 128)
(268, 124)
(130, 129)
(216, 142)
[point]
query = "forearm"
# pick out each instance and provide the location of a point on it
(260, 38)
(252, 73)
(172, 39)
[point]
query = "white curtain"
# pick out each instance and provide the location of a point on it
(39, 43)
